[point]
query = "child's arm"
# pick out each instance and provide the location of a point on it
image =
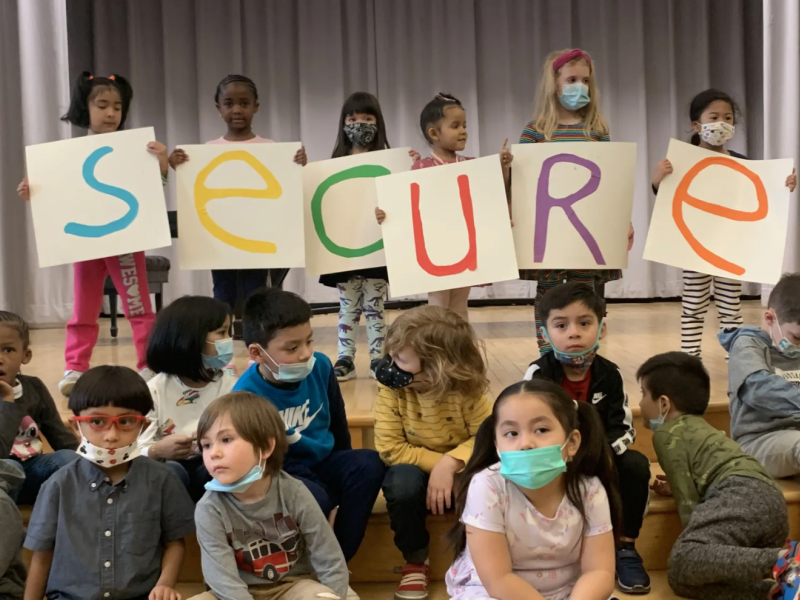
(12, 534)
(159, 150)
(597, 568)
(673, 456)
(178, 157)
(619, 423)
(170, 565)
(663, 169)
(489, 551)
(339, 427)
(750, 379)
(218, 562)
(50, 423)
(475, 413)
(38, 575)
(41, 538)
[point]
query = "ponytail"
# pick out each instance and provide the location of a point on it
(83, 90)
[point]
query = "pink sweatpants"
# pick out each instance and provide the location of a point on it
(129, 274)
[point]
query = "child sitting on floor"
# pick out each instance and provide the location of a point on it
(12, 569)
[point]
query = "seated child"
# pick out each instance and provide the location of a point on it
(431, 401)
(189, 347)
(764, 382)
(301, 384)
(259, 529)
(537, 502)
(27, 411)
(12, 570)
(734, 516)
(572, 316)
(111, 524)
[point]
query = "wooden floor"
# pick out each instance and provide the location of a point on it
(635, 332)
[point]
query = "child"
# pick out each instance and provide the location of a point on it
(100, 104)
(541, 523)
(568, 110)
(27, 411)
(572, 314)
(111, 524)
(303, 387)
(444, 124)
(259, 528)
(236, 98)
(361, 129)
(431, 401)
(189, 347)
(734, 516)
(713, 115)
(12, 569)
(763, 380)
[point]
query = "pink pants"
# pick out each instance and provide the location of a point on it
(129, 274)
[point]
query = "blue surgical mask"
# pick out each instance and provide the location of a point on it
(291, 373)
(223, 357)
(574, 96)
(535, 468)
(784, 346)
(656, 423)
(580, 359)
(242, 485)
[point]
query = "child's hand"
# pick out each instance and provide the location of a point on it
(415, 156)
(159, 150)
(631, 233)
(663, 169)
(505, 155)
(380, 216)
(178, 157)
(661, 486)
(172, 447)
(6, 392)
(791, 181)
(440, 484)
(300, 158)
(24, 190)
(162, 592)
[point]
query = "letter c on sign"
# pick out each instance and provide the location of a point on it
(682, 196)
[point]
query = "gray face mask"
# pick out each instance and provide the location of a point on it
(361, 134)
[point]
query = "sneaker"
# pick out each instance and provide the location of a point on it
(66, 384)
(373, 365)
(631, 576)
(344, 369)
(787, 574)
(147, 374)
(413, 582)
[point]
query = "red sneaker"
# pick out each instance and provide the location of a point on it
(414, 582)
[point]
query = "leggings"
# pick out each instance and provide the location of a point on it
(696, 298)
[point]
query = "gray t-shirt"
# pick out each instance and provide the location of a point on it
(284, 534)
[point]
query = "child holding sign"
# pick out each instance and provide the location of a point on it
(713, 116)
(568, 111)
(100, 104)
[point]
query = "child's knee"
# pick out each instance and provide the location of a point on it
(405, 483)
(369, 465)
(633, 467)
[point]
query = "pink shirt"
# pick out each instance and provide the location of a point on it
(435, 161)
(256, 140)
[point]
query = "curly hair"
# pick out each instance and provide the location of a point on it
(448, 349)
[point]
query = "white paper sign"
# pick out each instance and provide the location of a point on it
(96, 196)
(721, 215)
(240, 206)
(447, 227)
(572, 204)
(340, 199)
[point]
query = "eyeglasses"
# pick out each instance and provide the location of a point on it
(104, 422)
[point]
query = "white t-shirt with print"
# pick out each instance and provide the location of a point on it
(544, 552)
(177, 407)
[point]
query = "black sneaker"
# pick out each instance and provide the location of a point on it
(373, 365)
(631, 576)
(344, 369)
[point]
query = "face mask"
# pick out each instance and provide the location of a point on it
(574, 96)
(535, 468)
(361, 134)
(784, 346)
(576, 359)
(223, 357)
(291, 373)
(107, 458)
(656, 423)
(716, 134)
(242, 485)
(389, 374)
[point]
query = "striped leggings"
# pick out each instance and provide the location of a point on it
(696, 298)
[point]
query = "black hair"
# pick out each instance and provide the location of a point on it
(702, 101)
(178, 339)
(593, 458)
(564, 294)
(234, 79)
(784, 298)
(86, 87)
(680, 377)
(269, 310)
(110, 385)
(18, 324)
(434, 112)
(366, 104)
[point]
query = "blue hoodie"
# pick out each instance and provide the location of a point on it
(763, 385)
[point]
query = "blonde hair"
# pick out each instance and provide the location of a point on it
(545, 119)
(448, 350)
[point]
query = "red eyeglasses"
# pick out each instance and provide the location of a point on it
(103, 422)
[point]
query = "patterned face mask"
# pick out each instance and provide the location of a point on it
(361, 134)
(716, 134)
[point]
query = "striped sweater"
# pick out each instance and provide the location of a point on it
(563, 133)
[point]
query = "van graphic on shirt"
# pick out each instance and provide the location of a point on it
(296, 419)
(188, 396)
(271, 550)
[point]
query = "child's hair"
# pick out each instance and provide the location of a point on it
(234, 79)
(178, 339)
(255, 419)
(784, 298)
(449, 351)
(434, 112)
(564, 294)
(702, 101)
(109, 385)
(87, 87)
(361, 103)
(269, 310)
(18, 324)
(680, 377)
(545, 120)
(593, 458)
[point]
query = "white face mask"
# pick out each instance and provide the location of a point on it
(103, 457)
(716, 134)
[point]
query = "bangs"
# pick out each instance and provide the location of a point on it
(361, 103)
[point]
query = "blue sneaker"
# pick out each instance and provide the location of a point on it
(787, 574)
(631, 576)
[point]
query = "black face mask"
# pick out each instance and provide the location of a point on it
(389, 374)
